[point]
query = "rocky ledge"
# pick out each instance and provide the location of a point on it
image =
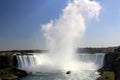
(8, 68)
(11, 73)
(111, 65)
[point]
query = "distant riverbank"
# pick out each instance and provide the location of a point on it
(78, 50)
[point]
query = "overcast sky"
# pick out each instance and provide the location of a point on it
(20, 23)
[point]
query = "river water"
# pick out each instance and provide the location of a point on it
(82, 75)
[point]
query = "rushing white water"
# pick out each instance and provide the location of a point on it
(61, 35)
(34, 63)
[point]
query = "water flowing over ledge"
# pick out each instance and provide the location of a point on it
(41, 62)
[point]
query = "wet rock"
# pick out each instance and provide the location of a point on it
(20, 73)
(11, 73)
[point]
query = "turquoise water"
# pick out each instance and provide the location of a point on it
(82, 75)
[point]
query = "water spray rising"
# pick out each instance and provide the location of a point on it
(61, 33)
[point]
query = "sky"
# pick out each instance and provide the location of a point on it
(21, 20)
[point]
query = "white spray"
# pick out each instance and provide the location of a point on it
(61, 33)
(61, 36)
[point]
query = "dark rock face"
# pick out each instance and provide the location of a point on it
(15, 62)
(8, 67)
(8, 61)
(109, 61)
(112, 63)
(4, 62)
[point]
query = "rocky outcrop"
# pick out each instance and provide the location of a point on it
(11, 73)
(8, 68)
(112, 63)
(4, 62)
(8, 61)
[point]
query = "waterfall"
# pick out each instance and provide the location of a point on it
(96, 58)
(26, 60)
(33, 62)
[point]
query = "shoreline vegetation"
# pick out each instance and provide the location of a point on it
(8, 61)
(78, 50)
